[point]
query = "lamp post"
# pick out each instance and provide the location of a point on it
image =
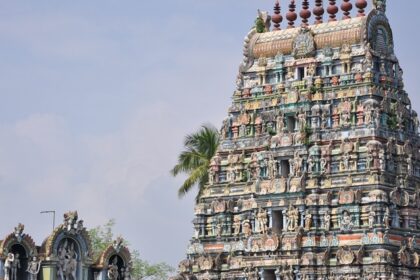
(50, 212)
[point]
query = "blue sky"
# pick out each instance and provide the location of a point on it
(96, 97)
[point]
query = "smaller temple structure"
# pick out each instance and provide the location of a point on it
(66, 254)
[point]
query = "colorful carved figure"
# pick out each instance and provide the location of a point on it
(33, 268)
(329, 150)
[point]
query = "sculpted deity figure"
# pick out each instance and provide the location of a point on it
(272, 168)
(327, 221)
(345, 162)
(8, 265)
(236, 225)
(302, 120)
(280, 123)
(346, 223)
(70, 219)
(371, 218)
(19, 231)
(246, 228)
(292, 218)
(67, 262)
(368, 115)
(324, 165)
(262, 220)
(113, 273)
(380, 5)
(287, 272)
(311, 164)
(15, 266)
(386, 218)
(33, 268)
(219, 230)
(409, 165)
(308, 220)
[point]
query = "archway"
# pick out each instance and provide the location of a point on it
(69, 259)
(119, 262)
(21, 261)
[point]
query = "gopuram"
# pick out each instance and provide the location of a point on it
(64, 255)
(318, 172)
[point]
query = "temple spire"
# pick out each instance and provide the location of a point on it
(305, 13)
(318, 11)
(332, 10)
(291, 14)
(346, 8)
(361, 5)
(277, 17)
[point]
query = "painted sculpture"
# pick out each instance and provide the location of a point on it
(319, 158)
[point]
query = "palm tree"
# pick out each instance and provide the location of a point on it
(200, 147)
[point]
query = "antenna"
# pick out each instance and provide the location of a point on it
(50, 212)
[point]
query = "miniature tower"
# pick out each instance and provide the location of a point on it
(317, 175)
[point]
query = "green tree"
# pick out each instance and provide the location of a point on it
(102, 236)
(194, 161)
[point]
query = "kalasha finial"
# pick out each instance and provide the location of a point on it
(332, 10)
(305, 13)
(361, 5)
(291, 14)
(346, 7)
(318, 11)
(277, 18)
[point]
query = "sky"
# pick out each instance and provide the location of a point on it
(96, 98)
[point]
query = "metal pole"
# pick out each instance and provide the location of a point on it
(50, 212)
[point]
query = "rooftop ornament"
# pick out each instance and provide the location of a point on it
(347, 6)
(305, 13)
(318, 11)
(277, 18)
(332, 10)
(291, 14)
(361, 5)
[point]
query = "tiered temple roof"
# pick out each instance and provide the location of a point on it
(318, 172)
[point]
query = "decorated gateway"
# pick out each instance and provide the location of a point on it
(317, 175)
(64, 255)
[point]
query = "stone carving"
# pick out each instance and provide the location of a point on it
(246, 228)
(262, 220)
(303, 44)
(237, 225)
(345, 255)
(266, 20)
(8, 265)
(400, 197)
(19, 232)
(308, 220)
(113, 273)
(371, 219)
(33, 268)
(327, 221)
(292, 218)
(67, 261)
(346, 222)
(15, 266)
(71, 223)
(330, 155)
(205, 263)
(386, 218)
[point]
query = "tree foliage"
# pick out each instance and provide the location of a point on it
(102, 236)
(199, 148)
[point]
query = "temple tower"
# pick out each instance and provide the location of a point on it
(318, 173)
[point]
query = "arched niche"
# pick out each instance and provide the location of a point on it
(115, 256)
(68, 250)
(22, 246)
